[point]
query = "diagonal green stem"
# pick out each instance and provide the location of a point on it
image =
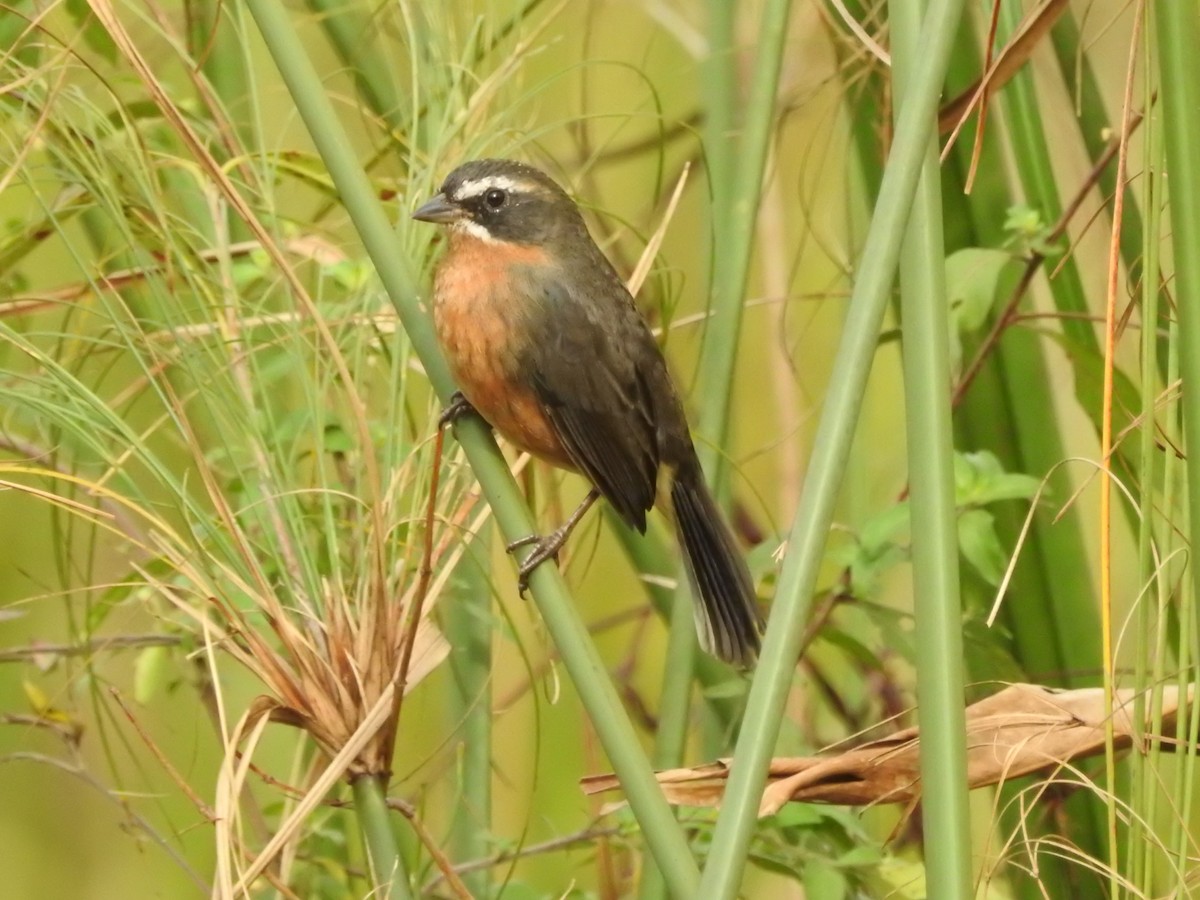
(785, 630)
(583, 663)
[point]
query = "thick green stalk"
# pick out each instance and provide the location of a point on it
(583, 663)
(469, 630)
(670, 737)
(926, 343)
(1179, 86)
(388, 878)
(1151, 633)
(731, 265)
(1178, 32)
(735, 206)
(1006, 411)
(785, 631)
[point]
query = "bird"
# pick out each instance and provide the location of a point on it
(547, 345)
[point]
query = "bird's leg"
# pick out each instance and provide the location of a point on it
(459, 406)
(547, 547)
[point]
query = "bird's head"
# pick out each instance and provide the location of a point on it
(500, 200)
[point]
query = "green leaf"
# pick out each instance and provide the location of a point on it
(980, 545)
(882, 529)
(862, 855)
(876, 548)
(988, 653)
(973, 275)
(979, 479)
(864, 656)
(795, 815)
(1031, 233)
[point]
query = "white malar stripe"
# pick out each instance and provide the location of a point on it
(474, 229)
(478, 186)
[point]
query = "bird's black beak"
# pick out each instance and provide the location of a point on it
(438, 210)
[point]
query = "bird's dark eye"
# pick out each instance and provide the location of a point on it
(495, 198)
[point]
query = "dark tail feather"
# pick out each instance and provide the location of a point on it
(727, 621)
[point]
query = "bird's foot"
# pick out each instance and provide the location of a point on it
(547, 547)
(544, 548)
(459, 406)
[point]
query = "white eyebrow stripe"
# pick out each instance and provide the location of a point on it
(474, 229)
(476, 186)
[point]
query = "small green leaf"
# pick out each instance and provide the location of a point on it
(987, 653)
(1029, 232)
(795, 815)
(980, 545)
(877, 547)
(980, 479)
(972, 278)
(883, 529)
(862, 855)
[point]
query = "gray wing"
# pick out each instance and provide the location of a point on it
(597, 372)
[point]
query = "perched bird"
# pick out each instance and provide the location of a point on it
(546, 344)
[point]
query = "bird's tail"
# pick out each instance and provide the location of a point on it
(727, 620)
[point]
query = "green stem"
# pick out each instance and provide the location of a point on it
(737, 211)
(797, 581)
(1178, 37)
(469, 631)
(718, 74)
(1050, 606)
(388, 877)
(938, 607)
(670, 736)
(1178, 32)
(1151, 640)
(583, 663)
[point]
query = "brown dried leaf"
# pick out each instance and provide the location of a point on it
(1007, 63)
(1023, 729)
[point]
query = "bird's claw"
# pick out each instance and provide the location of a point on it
(544, 548)
(458, 407)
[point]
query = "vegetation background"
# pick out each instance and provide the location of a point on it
(218, 453)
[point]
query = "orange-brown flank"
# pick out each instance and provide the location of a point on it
(478, 327)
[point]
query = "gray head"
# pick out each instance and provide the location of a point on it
(503, 200)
